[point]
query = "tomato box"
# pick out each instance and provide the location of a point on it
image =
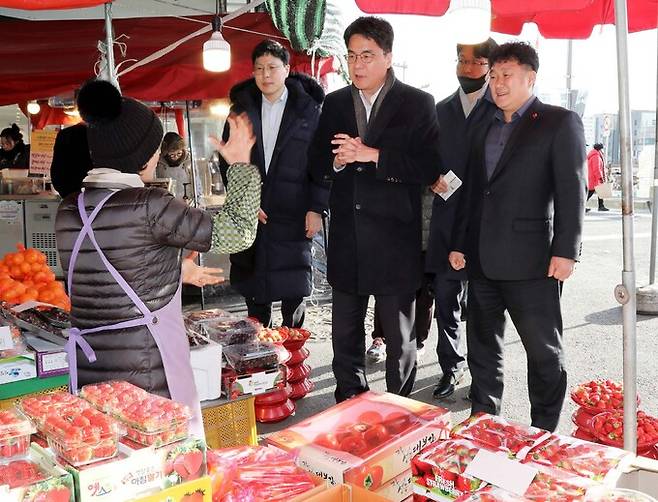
(35, 478)
(138, 471)
(590, 460)
(367, 440)
(234, 385)
(499, 434)
(397, 489)
(438, 471)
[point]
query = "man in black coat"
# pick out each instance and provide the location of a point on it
(284, 110)
(519, 227)
(378, 141)
(458, 114)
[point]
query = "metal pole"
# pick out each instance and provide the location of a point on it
(626, 293)
(194, 178)
(654, 200)
(570, 103)
(109, 42)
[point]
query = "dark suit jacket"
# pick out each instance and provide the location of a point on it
(375, 230)
(454, 146)
(532, 207)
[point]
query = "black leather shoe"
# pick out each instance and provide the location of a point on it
(446, 386)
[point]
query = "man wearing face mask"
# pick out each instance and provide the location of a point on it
(470, 105)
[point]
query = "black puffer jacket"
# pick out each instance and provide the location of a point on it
(142, 232)
(278, 265)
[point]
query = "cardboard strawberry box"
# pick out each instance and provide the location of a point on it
(439, 472)
(140, 470)
(367, 440)
(259, 382)
(35, 478)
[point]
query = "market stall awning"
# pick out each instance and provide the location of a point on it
(509, 16)
(50, 4)
(48, 58)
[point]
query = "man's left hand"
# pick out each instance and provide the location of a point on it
(199, 276)
(313, 224)
(561, 268)
(353, 150)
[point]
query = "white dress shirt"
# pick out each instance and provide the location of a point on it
(271, 115)
(470, 100)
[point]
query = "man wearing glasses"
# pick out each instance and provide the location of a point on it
(284, 109)
(459, 113)
(377, 141)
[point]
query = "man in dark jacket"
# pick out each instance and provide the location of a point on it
(378, 141)
(519, 225)
(470, 105)
(284, 110)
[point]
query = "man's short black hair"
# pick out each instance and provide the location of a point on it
(481, 50)
(598, 146)
(273, 48)
(374, 28)
(521, 52)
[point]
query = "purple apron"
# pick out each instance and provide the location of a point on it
(165, 324)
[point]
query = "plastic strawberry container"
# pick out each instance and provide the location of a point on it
(82, 438)
(149, 419)
(246, 358)
(223, 327)
(38, 408)
(15, 432)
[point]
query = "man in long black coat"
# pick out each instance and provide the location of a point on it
(378, 141)
(284, 109)
(458, 114)
(519, 227)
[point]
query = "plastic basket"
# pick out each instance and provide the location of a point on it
(230, 424)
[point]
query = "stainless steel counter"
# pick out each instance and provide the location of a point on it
(44, 196)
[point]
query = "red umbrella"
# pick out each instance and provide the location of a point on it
(554, 18)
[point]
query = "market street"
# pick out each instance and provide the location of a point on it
(592, 335)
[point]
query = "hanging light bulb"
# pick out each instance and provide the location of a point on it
(33, 108)
(216, 51)
(471, 20)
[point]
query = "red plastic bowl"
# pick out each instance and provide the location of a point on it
(298, 373)
(298, 356)
(583, 419)
(296, 344)
(618, 443)
(580, 433)
(276, 413)
(300, 389)
(277, 396)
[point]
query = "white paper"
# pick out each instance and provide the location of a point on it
(6, 340)
(499, 470)
(453, 184)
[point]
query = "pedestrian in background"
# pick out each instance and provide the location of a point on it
(595, 173)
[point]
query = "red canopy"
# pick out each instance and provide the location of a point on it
(50, 4)
(550, 16)
(48, 58)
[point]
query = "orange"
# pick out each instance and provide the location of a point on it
(32, 255)
(16, 272)
(45, 296)
(26, 268)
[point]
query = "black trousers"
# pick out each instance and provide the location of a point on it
(534, 307)
(396, 314)
(293, 312)
(589, 196)
(451, 346)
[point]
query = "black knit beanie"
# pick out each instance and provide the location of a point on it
(123, 134)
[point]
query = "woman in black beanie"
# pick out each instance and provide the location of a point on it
(120, 245)
(14, 154)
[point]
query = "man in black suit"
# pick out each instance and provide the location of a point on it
(519, 226)
(458, 114)
(377, 141)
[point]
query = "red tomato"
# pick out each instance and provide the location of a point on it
(370, 418)
(376, 435)
(397, 422)
(354, 444)
(327, 440)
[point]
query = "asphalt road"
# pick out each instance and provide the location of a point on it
(592, 335)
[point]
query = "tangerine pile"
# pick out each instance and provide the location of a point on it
(25, 276)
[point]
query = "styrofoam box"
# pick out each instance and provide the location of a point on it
(207, 366)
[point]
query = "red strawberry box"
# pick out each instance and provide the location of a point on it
(438, 471)
(367, 440)
(15, 432)
(150, 420)
(582, 458)
(139, 471)
(35, 478)
(501, 435)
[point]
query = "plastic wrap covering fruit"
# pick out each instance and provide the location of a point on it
(274, 335)
(255, 474)
(15, 431)
(578, 457)
(15, 345)
(248, 357)
(135, 407)
(439, 470)
(161, 438)
(82, 437)
(223, 327)
(21, 473)
(608, 428)
(499, 434)
(604, 494)
(599, 395)
(38, 408)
